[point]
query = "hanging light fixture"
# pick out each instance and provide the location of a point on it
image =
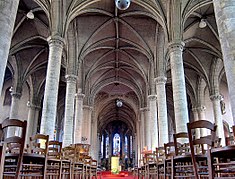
(30, 15)
(202, 23)
(122, 4)
(119, 103)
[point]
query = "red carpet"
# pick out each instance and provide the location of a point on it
(121, 175)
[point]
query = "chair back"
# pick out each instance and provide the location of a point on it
(181, 143)
(207, 140)
(160, 154)
(54, 150)
(38, 144)
(169, 150)
(13, 143)
(233, 127)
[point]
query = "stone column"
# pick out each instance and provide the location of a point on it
(202, 116)
(162, 110)
(78, 118)
(69, 110)
(8, 11)
(153, 123)
(138, 141)
(179, 88)
(86, 132)
(14, 111)
(196, 118)
(56, 44)
(15, 99)
(32, 121)
(104, 146)
(110, 144)
(94, 149)
(218, 117)
(225, 18)
(142, 128)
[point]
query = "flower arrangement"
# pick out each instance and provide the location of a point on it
(115, 171)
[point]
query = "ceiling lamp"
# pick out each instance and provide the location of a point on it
(119, 103)
(30, 15)
(122, 4)
(202, 23)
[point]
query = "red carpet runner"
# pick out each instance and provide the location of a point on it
(121, 175)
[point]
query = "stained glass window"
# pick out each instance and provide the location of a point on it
(116, 144)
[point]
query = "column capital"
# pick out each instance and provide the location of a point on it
(201, 108)
(34, 107)
(16, 95)
(194, 109)
(176, 45)
(160, 80)
(88, 107)
(56, 40)
(216, 97)
(152, 97)
(143, 109)
(79, 96)
(71, 78)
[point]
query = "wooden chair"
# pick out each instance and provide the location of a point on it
(67, 167)
(199, 159)
(151, 165)
(53, 167)
(35, 162)
(182, 161)
(160, 156)
(169, 154)
(222, 161)
(12, 160)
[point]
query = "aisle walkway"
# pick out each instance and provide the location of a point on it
(121, 175)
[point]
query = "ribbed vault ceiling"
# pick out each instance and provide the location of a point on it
(118, 51)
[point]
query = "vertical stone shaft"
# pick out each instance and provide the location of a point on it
(196, 118)
(153, 123)
(32, 121)
(69, 110)
(162, 110)
(86, 132)
(78, 118)
(94, 148)
(225, 18)
(142, 128)
(179, 88)
(202, 116)
(218, 117)
(8, 11)
(15, 99)
(48, 120)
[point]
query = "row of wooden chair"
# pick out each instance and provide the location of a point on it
(189, 157)
(41, 158)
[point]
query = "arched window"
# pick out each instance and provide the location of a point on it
(116, 144)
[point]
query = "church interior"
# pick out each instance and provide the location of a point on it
(118, 78)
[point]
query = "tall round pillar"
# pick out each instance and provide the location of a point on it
(48, 120)
(162, 110)
(202, 116)
(78, 118)
(215, 99)
(196, 118)
(179, 88)
(8, 12)
(225, 18)
(32, 121)
(68, 137)
(15, 99)
(86, 131)
(142, 128)
(153, 123)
